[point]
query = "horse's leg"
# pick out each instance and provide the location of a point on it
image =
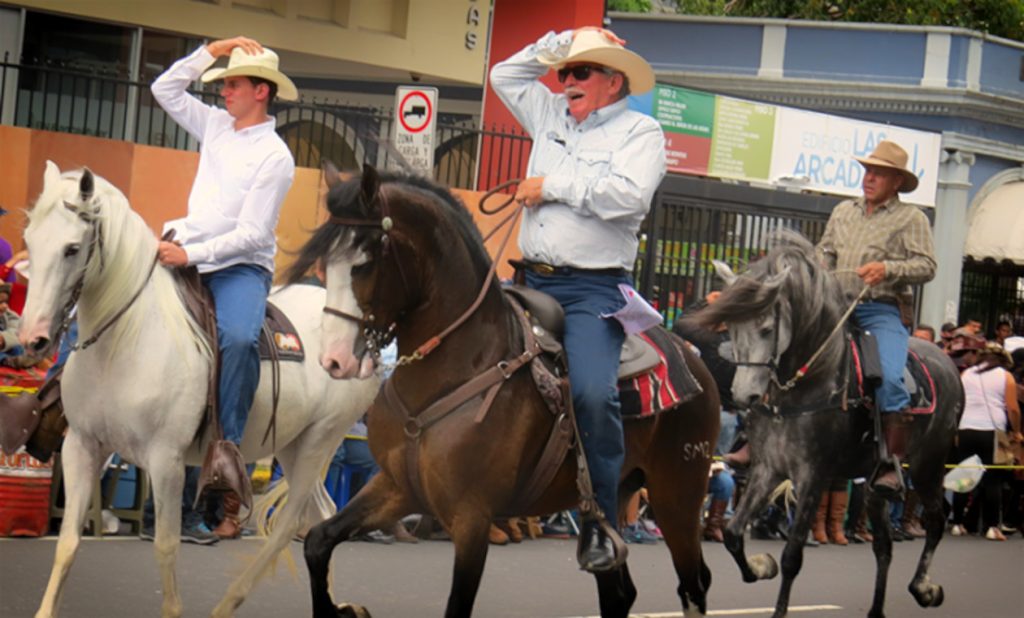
(167, 475)
(81, 461)
(678, 512)
(469, 530)
(882, 546)
(926, 593)
(760, 483)
(809, 495)
(616, 592)
(378, 504)
(302, 473)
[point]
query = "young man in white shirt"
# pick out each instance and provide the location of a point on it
(245, 171)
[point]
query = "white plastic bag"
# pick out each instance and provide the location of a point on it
(965, 476)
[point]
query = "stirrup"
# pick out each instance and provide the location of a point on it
(885, 490)
(224, 470)
(619, 547)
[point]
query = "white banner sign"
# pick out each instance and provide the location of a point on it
(415, 120)
(816, 151)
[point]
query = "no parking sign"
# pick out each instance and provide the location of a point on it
(415, 121)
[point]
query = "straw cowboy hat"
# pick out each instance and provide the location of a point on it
(889, 154)
(593, 46)
(263, 65)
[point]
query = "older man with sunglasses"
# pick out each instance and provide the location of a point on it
(594, 168)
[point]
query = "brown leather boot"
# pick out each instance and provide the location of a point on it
(861, 531)
(837, 512)
(888, 480)
(401, 534)
(715, 520)
(224, 470)
(911, 522)
(818, 528)
(497, 536)
(230, 527)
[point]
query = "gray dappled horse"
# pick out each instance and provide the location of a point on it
(779, 314)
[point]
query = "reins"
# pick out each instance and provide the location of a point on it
(95, 337)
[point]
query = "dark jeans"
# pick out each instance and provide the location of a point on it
(982, 444)
(593, 345)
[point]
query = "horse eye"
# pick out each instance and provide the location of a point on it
(362, 269)
(71, 250)
(766, 331)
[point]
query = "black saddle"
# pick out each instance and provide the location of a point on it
(866, 373)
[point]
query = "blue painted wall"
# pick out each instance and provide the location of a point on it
(855, 55)
(699, 47)
(1000, 70)
(983, 169)
(958, 49)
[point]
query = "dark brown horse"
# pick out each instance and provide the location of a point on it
(404, 256)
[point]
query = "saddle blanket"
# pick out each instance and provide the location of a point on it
(916, 376)
(668, 385)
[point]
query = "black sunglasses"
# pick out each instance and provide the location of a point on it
(581, 72)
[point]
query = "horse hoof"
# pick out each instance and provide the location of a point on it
(352, 611)
(930, 595)
(763, 566)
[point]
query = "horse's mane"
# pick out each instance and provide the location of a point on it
(812, 292)
(129, 247)
(343, 201)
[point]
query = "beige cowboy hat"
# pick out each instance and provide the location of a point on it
(891, 155)
(263, 65)
(593, 46)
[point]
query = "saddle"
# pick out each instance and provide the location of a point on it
(653, 375)
(34, 420)
(223, 468)
(865, 374)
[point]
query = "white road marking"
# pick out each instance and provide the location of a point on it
(746, 611)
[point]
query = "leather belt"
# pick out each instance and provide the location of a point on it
(882, 301)
(547, 269)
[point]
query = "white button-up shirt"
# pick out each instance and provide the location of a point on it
(242, 180)
(599, 175)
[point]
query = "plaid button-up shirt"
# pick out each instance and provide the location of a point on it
(896, 234)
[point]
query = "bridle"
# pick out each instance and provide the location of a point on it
(378, 337)
(773, 362)
(95, 245)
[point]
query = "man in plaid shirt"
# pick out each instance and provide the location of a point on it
(880, 242)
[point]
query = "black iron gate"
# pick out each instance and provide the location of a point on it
(992, 293)
(695, 220)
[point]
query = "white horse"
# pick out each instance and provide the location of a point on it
(140, 390)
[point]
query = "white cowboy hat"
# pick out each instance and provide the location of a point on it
(263, 65)
(891, 155)
(593, 46)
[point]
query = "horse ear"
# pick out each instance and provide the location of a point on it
(86, 186)
(724, 272)
(370, 183)
(52, 174)
(331, 174)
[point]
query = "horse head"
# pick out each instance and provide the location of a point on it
(63, 238)
(778, 313)
(757, 314)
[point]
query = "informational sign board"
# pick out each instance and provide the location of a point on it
(715, 135)
(415, 124)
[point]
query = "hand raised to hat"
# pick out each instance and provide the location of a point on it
(611, 36)
(223, 47)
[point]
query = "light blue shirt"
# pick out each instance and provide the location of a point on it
(599, 175)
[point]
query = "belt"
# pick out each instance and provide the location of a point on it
(547, 269)
(881, 301)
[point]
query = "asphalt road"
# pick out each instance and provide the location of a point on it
(118, 576)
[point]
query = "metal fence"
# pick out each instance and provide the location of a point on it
(55, 98)
(991, 293)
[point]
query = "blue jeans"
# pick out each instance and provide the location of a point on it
(721, 485)
(883, 321)
(240, 295)
(593, 345)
